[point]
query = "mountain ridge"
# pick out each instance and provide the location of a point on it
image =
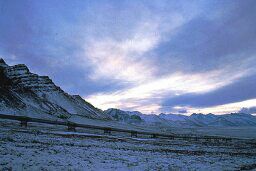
(26, 93)
(194, 120)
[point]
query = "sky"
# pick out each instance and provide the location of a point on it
(151, 56)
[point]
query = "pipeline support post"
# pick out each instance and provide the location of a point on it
(24, 123)
(134, 134)
(154, 136)
(107, 131)
(71, 127)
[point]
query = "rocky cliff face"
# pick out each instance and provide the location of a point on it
(25, 93)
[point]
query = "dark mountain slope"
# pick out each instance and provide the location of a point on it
(25, 93)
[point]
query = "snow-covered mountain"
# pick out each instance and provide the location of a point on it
(124, 116)
(25, 93)
(173, 117)
(233, 119)
(178, 120)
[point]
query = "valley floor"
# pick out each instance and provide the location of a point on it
(39, 148)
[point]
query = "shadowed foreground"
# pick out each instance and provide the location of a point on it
(41, 148)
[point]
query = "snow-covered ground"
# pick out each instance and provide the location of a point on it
(40, 147)
(236, 132)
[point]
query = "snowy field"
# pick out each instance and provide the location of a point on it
(52, 148)
(236, 132)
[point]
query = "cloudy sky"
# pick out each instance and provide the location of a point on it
(152, 56)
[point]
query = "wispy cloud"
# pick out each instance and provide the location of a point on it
(226, 108)
(125, 59)
(157, 89)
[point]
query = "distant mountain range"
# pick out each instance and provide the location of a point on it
(178, 120)
(25, 93)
